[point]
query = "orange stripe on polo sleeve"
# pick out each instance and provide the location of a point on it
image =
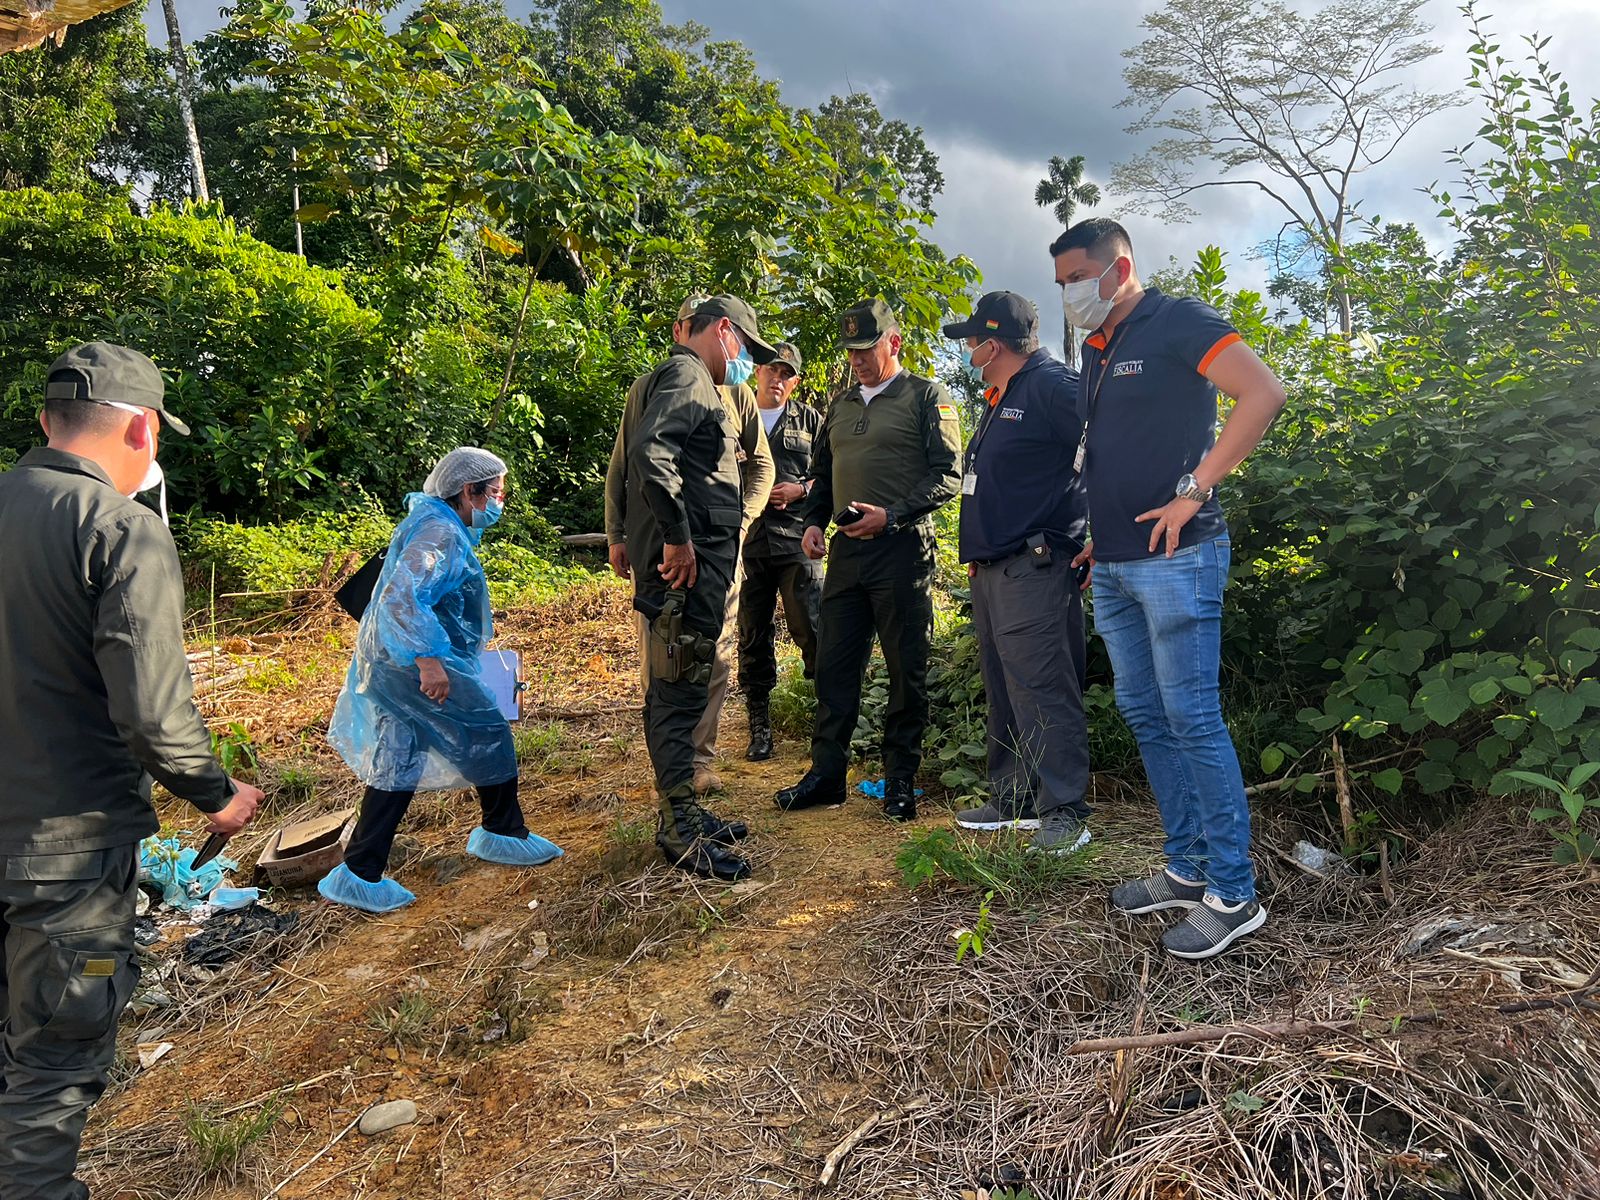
(1223, 343)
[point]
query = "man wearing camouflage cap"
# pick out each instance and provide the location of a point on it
(755, 483)
(682, 517)
(774, 562)
(886, 459)
(95, 699)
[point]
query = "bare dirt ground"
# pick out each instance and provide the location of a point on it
(604, 1027)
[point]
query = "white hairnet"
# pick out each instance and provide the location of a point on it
(462, 466)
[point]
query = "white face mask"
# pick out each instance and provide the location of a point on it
(154, 476)
(1082, 303)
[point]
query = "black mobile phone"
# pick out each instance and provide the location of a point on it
(847, 516)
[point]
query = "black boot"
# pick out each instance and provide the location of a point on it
(813, 790)
(723, 832)
(760, 748)
(899, 800)
(682, 838)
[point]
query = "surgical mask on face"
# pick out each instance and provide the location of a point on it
(154, 476)
(1083, 305)
(972, 368)
(739, 368)
(485, 517)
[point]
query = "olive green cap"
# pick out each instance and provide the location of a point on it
(863, 324)
(788, 354)
(743, 318)
(103, 373)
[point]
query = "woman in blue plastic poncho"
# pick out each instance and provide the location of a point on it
(414, 712)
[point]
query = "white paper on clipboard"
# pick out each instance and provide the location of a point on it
(501, 671)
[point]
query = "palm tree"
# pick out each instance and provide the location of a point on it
(1062, 192)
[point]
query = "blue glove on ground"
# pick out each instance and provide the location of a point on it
(509, 851)
(344, 886)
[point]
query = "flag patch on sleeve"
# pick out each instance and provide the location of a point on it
(947, 412)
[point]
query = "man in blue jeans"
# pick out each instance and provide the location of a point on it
(1151, 459)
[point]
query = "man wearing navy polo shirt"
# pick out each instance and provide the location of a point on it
(1022, 524)
(1151, 459)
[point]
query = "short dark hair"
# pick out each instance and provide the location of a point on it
(700, 322)
(1094, 237)
(69, 418)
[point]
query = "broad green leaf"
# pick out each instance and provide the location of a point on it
(1271, 759)
(1390, 780)
(1483, 691)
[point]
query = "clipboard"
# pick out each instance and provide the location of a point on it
(501, 672)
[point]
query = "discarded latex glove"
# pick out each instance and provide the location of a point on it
(510, 851)
(874, 788)
(167, 863)
(344, 886)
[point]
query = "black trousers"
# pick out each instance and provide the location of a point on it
(381, 813)
(800, 585)
(1029, 623)
(882, 585)
(66, 921)
(673, 709)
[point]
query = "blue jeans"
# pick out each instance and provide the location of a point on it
(1161, 619)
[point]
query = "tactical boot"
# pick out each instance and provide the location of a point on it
(718, 830)
(899, 800)
(760, 748)
(812, 790)
(682, 838)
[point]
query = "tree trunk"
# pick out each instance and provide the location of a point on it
(180, 69)
(516, 337)
(1069, 344)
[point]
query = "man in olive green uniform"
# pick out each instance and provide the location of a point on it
(755, 482)
(885, 460)
(95, 698)
(774, 563)
(682, 516)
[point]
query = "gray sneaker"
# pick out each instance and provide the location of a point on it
(1060, 833)
(1156, 894)
(1209, 929)
(993, 816)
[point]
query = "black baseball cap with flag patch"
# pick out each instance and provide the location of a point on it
(103, 373)
(998, 314)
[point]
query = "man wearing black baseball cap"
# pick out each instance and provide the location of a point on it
(682, 515)
(886, 458)
(95, 699)
(774, 562)
(1023, 518)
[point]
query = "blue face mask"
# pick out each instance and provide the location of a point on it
(483, 519)
(972, 368)
(739, 369)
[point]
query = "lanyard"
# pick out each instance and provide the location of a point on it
(1109, 364)
(983, 428)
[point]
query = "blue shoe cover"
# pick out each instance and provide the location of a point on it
(344, 886)
(510, 851)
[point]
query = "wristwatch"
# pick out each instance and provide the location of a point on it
(1189, 489)
(890, 525)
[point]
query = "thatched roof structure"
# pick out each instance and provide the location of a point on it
(25, 24)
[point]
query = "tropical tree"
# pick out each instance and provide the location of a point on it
(1293, 105)
(1062, 191)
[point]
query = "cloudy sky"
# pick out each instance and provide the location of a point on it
(1000, 86)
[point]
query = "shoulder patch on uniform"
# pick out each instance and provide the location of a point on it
(947, 412)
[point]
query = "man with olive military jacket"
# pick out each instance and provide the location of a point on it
(886, 459)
